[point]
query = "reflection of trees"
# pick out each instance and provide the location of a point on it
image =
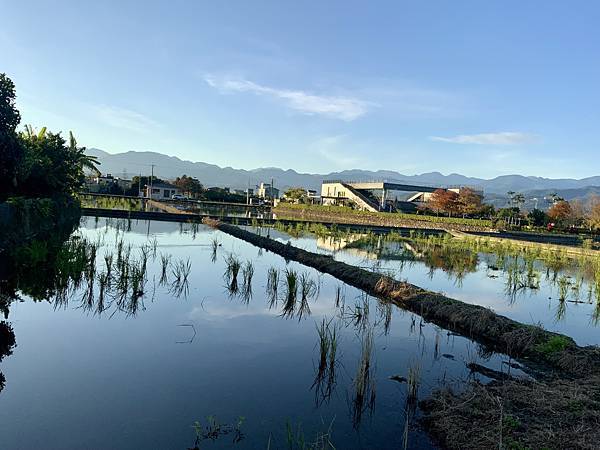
(7, 343)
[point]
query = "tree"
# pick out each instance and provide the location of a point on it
(469, 202)
(86, 162)
(50, 167)
(296, 195)
(11, 152)
(537, 217)
(560, 212)
(578, 212)
(594, 216)
(189, 185)
(443, 200)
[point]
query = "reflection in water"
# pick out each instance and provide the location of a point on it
(412, 398)
(364, 381)
(290, 293)
(214, 430)
(238, 357)
(325, 378)
(247, 274)
(233, 266)
(272, 284)
(530, 277)
(7, 343)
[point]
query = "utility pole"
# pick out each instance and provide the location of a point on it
(151, 176)
(140, 185)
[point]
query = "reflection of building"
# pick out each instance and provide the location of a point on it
(162, 191)
(334, 244)
(266, 191)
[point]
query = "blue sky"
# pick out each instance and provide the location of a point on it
(482, 88)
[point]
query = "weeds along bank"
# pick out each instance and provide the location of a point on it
(341, 215)
(507, 413)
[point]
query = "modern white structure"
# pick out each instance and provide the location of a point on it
(374, 195)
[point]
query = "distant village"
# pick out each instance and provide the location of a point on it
(373, 196)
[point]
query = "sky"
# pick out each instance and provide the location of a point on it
(481, 88)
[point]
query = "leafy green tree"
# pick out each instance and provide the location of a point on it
(537, 217)
(50, 167)
(297, 195)
(189, 185)
(11, 151)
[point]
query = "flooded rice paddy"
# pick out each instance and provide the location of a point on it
(560, 292)
(175, 336)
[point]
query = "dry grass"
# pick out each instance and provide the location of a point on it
(517, 414)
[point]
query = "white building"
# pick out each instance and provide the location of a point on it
(266, 191)
(162, 191)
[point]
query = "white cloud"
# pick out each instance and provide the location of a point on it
(124, 118)
(344, 108)
(502, 138)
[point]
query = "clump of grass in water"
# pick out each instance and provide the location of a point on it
(563, 288)
(272, 285)
(296, 440)
(385, 313)
(340, 296)
(214, 430)
(412, 396)
(247, 274)
(364, 383)
(291, 292)
(308, 290)
(180, 272)
(231, 273)
(358, 315)
(165, 261)
(215, 244)
(325, 377)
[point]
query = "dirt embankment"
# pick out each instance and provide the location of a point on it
(561, 409)
(374, 219)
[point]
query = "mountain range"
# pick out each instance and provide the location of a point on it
(133, 163)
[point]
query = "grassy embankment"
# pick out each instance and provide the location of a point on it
(340, 214)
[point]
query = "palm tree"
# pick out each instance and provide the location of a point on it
(85, 161)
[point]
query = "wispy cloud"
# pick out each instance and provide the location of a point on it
(343, 108)
(124, 118)
(336, 150)
(502, 138)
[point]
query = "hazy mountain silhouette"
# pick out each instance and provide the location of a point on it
(133, 163)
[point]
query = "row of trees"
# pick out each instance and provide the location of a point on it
(36, 163)
(576, 213)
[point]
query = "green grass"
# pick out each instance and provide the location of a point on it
(553, 345)
(349, 212)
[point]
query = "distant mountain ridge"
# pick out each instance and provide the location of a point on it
(133, 163)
